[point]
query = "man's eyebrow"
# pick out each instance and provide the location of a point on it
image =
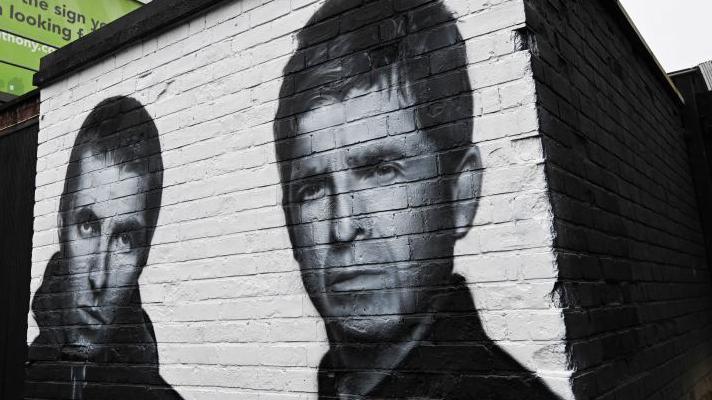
(128, 225)
(304, 172)
(374, 154)
(85, 214)
(312, 165)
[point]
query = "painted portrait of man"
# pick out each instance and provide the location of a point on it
(95, 340)
(380, 179)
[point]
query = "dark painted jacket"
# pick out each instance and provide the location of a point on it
(455, 361)
(123, 365)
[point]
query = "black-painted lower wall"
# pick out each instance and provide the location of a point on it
(633, 268)
(18, 158)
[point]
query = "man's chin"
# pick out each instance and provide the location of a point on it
(377, 328)
(79, 352)
(367, 316)
(367, 329)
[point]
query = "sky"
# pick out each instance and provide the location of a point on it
(677, 31)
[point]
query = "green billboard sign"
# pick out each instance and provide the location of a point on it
(31, 29)
(22, 51)
(15, 80)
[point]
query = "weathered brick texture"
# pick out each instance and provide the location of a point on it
(634, 280)
(585, 253)
(231, 315)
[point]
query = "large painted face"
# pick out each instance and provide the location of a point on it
(104, 242)
(361, 216)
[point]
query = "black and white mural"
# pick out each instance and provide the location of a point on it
(400, 322)
(329, 227)
(95, 340)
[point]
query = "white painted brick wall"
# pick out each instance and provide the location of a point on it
(221, 286)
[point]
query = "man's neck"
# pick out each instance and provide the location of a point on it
(366, 365)
(363, 366)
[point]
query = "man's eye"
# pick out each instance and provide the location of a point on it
(386, 173)
(310, 191)
(124, 242)
(88, 228)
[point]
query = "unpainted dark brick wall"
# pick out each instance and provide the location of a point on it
(18, 156)
(634, 280)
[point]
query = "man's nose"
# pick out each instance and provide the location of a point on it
(344, 226)
(98, 276)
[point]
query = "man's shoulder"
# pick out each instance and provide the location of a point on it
(502, 387)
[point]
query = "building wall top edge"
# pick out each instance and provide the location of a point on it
(147, 21)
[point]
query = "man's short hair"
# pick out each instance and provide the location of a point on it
(411, 46)
(120, 129)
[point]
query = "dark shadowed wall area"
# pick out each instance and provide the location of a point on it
(630, 247)
(18, 155)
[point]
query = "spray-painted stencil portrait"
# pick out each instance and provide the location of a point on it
(372, 168)
(95, 339)
(376, 115)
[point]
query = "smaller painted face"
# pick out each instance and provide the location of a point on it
(359, 219)
(104, 241)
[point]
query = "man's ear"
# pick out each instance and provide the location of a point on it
(465, 191)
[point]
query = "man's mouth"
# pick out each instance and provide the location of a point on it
(354, 279)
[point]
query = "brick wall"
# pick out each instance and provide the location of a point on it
(634, 280)
(221, 285)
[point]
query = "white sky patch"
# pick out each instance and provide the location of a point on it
(676, 31)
